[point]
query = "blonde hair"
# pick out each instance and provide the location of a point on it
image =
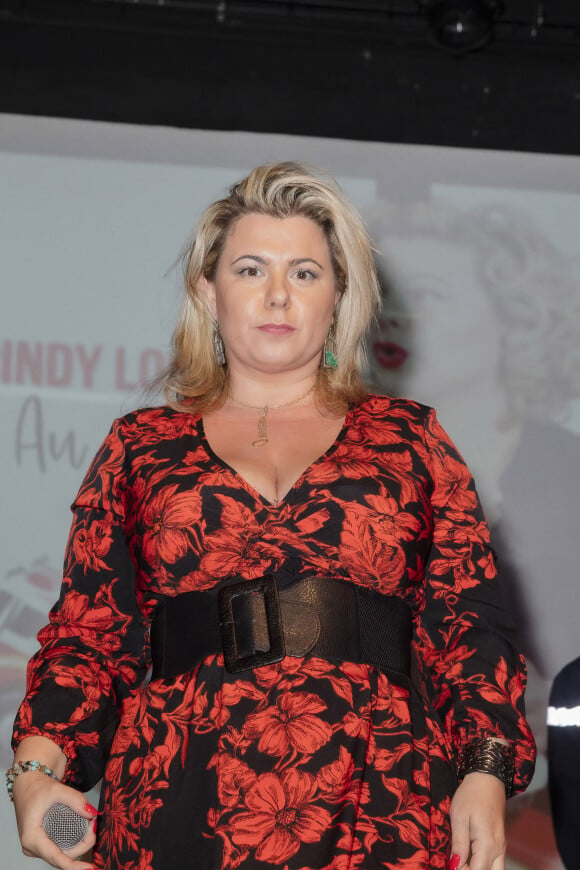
(194, 380)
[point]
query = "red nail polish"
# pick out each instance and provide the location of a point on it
(455, 861)
(89, 809)
(95, 827)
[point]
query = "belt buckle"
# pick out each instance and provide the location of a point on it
(267, 587)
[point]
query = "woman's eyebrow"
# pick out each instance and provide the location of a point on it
(262, 260)
(300, 260)
(296, 261)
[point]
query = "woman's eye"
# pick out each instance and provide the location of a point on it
(250, 271)
(426, 295)
(305, 274)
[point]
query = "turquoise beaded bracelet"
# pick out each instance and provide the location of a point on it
(22, 767)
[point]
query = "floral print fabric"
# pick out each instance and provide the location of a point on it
(305, 763)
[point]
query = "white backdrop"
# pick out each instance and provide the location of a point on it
(92, 220)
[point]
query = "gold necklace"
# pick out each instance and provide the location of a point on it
(262, 438)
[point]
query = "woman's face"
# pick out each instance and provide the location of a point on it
(437, 332)
(274, 294)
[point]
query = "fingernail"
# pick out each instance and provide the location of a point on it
(88, 808)
(95, 826)
(455, 861)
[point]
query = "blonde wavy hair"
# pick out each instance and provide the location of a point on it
(193, 379)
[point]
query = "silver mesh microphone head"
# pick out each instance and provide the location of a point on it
(64, 826)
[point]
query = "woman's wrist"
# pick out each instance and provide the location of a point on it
(488, 755)
(45, 750)
(32, 765)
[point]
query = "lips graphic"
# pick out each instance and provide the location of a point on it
(389, 355)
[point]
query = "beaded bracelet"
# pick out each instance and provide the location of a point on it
(22, 767)
(487, 755)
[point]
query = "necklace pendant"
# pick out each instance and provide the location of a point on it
(262, 438)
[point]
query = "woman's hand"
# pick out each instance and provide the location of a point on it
(478, 824)
(34, 793)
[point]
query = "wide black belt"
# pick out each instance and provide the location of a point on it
(255, 623)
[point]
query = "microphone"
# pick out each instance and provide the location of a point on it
(64, 826)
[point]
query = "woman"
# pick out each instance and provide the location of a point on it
(270, 541)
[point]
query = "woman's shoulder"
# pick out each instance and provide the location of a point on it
(160, 422)
(379, 406)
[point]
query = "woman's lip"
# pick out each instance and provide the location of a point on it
(276, 328)
(389, 355)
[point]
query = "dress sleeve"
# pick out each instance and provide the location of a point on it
(467, 650)
(94, 649)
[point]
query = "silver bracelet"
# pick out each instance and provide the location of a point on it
(487, 755)
(22, 767)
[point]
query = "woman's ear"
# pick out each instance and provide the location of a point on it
(208, 288)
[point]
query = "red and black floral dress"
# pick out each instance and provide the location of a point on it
(303, 763)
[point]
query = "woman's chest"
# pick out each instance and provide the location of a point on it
(358, 511)
(272, 453)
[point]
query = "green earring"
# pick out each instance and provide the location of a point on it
(329, 359)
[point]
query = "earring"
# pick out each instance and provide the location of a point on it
(218, 345)
(329, 359)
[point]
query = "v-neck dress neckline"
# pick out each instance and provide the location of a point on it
(249, 487)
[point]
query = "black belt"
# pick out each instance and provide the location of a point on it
(255, 623)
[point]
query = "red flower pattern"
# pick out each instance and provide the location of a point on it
(301, 764)
(168, 518)
(290, 725)
(280, 816)
(91, 543)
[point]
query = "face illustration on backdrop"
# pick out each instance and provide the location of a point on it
(478, 320)
(437, 333)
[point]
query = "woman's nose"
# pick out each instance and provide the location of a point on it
(277, 292)
(393, 320)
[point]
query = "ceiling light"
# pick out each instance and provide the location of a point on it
(460, 26)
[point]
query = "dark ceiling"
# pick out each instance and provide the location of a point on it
(367, 70)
